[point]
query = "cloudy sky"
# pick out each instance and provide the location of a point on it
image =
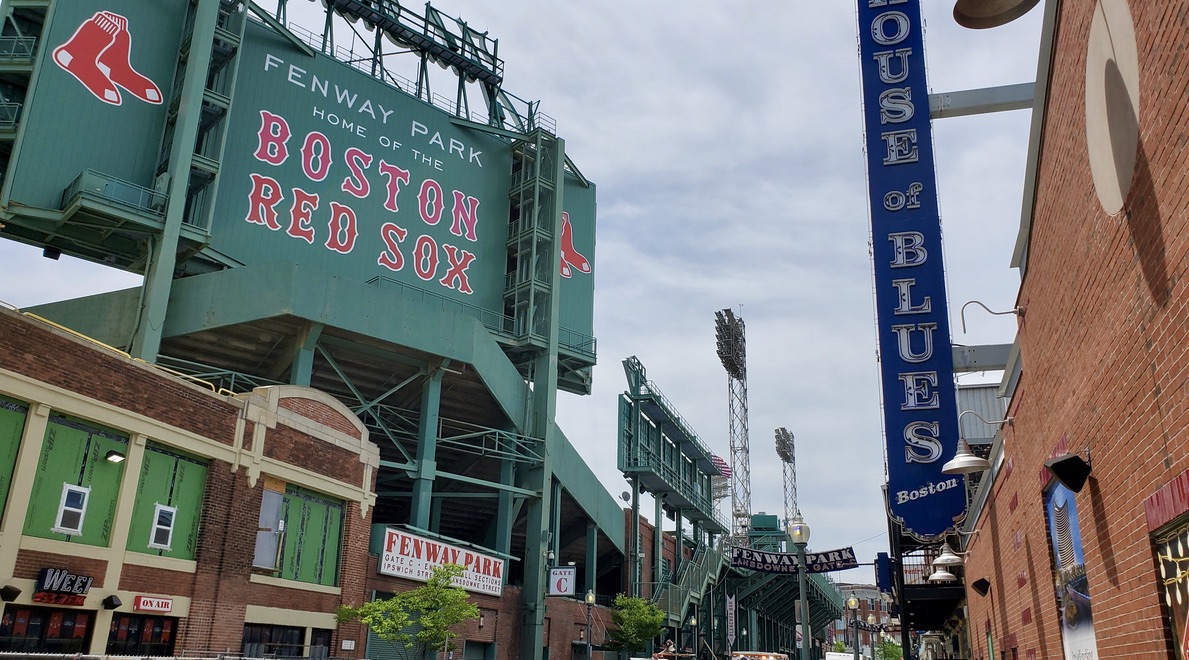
(726, 140)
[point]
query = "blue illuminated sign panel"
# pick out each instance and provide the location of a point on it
(916, 362)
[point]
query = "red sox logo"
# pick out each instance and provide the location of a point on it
(98, 57)
(571, 259)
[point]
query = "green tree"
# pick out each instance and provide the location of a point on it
(637, 621)
(886, 649)
(419, 620)
(839, 646)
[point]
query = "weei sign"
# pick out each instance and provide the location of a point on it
(916, 362)
(786, 562)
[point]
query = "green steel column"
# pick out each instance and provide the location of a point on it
(637, 547)
(159, 274)
(543, 402)
(303, 360)
(427, 449)
(658, 544)
(500, 534)
(592, 555)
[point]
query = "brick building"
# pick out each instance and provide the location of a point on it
(146, 514)
(1075, 545)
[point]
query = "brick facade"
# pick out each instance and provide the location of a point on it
(304, 433)
(306, 439)
(1105, 353)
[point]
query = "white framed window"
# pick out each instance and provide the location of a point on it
(72, 509)
(162, 534)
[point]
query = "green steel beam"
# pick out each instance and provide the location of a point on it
(280, 27)
(303, 359)
(427, 446)
(159, 274)
(213, 300)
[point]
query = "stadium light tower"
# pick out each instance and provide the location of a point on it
(788, 456)
(732, 351)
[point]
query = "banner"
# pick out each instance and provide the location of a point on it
(786, 562)
(413, 557)
(730, 619)
(915, 355)
(1073, 589)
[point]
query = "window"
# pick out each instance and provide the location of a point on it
(168, 504)
(262, 640)
(270, 530)
(162, 536)
(299, 534)
(71, 509)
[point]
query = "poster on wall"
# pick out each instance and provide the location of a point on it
(1173, 553)
(1073, 590)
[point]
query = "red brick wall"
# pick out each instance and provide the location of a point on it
(220, 589)
(30, 562)
(31, 349)
(1104, 343)
(317, 410)
(288, 445)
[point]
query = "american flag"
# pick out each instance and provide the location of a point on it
(722, 466)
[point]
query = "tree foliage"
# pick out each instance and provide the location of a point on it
(419, 620)
(886, 649)
(637, 622)
(839, 646)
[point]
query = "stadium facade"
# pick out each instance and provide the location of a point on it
(361, 300)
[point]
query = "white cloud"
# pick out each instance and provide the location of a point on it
(726, 142)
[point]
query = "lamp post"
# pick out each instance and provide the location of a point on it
(590, 598)
(870, 628)
(743, 642)
(693, 633)
(852, 604)
(799, 536)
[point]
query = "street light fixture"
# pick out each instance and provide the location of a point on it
(693, 632)
(590, 599)
(743, 642)
(852, 604)
(964, 460)
(946, 559)
(799, 536)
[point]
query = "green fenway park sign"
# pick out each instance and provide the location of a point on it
(321, 164)
(329, 166)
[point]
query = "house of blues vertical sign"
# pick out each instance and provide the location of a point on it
(920, 409)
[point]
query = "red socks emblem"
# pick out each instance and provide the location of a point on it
(570, 258)
(98, 57)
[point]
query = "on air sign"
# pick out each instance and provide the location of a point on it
(916, 362)
(413, 557)
(152, 604)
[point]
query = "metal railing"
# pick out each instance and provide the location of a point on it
(9, 113)
(363, 62)
(17, 48)
(102, 187)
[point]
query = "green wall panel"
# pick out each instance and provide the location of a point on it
(577, 290)
(173, 480)
(288, 105)
(73, 453)
(12, 427)
(66, 127)
(313, 537)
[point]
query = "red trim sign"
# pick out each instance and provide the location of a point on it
(152, 604)
(562, 581)
(413, 557)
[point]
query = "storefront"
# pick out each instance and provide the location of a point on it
(26, 629)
